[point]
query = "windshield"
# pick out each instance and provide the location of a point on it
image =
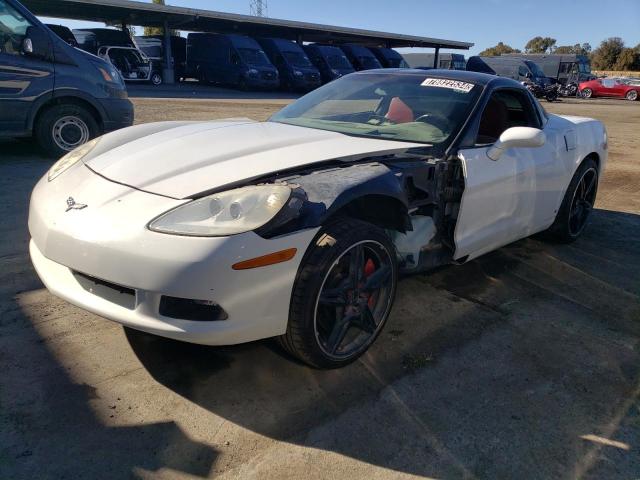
(535, 69)
(297, 59)
(253, 56)
(339, 62)
(369, 62)
(392, 106)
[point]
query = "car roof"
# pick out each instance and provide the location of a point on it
(460, 75)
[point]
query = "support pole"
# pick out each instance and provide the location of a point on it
(435, 57)
(168, 72)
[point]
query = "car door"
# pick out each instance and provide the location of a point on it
(22, 78)
(608, 87)
(505, 200)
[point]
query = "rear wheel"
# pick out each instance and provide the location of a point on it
(342, 296)
(586, 93)
(156, 79)
(632, 95)
(62, 128)
(577, 204)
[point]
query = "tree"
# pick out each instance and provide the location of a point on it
(158, 30)
(540, 45)
(577, 49)
(499, 49)
(606, 55)
(627, 60)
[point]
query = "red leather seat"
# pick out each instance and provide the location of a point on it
(399, 112)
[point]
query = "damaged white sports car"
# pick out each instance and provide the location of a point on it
(230, 231)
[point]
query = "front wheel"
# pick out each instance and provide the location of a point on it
(343, 294)
(632, 95)
(577, 204)
(586, 93)
(62, 128)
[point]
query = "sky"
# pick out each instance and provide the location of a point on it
(483, 22)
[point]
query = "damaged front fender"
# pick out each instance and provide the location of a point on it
(371, 191)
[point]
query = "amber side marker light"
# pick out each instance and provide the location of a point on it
(270, 259)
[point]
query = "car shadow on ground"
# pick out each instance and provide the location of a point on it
(497, 368)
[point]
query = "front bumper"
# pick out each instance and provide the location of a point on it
(108, 240)
(119, 113)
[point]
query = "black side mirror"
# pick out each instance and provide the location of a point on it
(36, 43)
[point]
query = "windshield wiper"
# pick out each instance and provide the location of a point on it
(378, 132)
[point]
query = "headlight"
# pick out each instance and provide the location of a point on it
(252, 72)
(226, 213)
(297, 73)
(71, 159)
(336, 73)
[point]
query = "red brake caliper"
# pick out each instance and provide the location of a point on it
(369, 268)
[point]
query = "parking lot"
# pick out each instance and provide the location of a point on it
(524, 363)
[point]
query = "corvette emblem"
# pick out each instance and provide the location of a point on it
(73, 205)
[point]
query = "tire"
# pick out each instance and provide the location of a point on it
(156, 79)
(243, 85)
(565, 228)
(632, 95)
(333, 329)
(586, 93)
(62, 128)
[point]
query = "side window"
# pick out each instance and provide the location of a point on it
(608, 83)
(234, 57)
(13, 28)
(505, 109)
(522, 71)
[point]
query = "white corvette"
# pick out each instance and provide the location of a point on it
(230, 231)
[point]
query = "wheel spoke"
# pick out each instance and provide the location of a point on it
(365, 320)
(377, 279)
(356, 265)
(338, 332)
(333, 296)
(590, 186)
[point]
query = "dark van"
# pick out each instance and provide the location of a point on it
(389, 58)
(360, 57)
(230, 59)
(330, 61)
(48, 89)
(64, 33)
(153, 47)
(295, 69)
(564, 68)
(510, 67)
(117, 47)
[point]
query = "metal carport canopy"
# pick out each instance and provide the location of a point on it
(180, 18)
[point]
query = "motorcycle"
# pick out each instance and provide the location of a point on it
(570, 89)
(548, 92)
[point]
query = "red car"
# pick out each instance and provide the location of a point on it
(609, 87)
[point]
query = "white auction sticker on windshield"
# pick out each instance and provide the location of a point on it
(446, 83)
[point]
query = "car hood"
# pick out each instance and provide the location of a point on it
(183, 159)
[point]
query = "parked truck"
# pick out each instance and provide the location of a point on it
(565, 68)
(153, 47)
(117, 47)
(446, 61)
(296, 70)
(233, 60)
